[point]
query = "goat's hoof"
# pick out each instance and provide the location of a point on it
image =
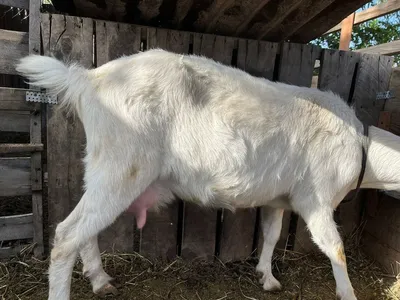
(346, 296)
(107, 289)
(270, 284)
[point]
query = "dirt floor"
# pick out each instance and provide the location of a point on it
(302, 276)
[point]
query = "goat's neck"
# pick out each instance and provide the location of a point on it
(383, 161)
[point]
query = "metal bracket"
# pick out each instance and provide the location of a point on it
(385, 95)
(36, 96)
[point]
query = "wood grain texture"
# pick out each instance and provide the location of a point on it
(16, 227)
(336, 71)
(34, 26)
(15, 176)
(373, 76)
(390, 48)
(24, 4)
(17, 121)
(373, 12)
(296, 67)
(114, 40)
(159, 236)
(345, 33)
(67, 38)
(13, 46)
(20, 148)
(207, 19)
(14, 99)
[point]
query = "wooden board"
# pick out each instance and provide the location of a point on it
(16, 227)
(14, 99)
(24, 4)
(17, 121)
(200, 224)
(390, 48)
(15, 176)
(112, 41)
(296, 67)
(65, 38)
(159, 238)
(13, 46)
(236, 242)
(336, 74)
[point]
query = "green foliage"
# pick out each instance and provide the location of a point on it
(370, 33)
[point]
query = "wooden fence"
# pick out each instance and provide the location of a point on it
(20, 158)
(184, 229)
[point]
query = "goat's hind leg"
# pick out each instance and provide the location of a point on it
(320, 222)
(93, 269)
(98, 208)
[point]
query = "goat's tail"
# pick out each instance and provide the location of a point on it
(71, 81)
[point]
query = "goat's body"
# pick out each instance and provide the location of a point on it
(159, 124)
(218, 136)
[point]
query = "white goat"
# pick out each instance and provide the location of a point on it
(159, 123)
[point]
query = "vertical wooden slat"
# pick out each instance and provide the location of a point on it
(256, 58)
(68, 38)
(200, 223)
(114, 40)
(159, 236)
(296, 67)
(36, 137)
(345, 33)
(336, 74)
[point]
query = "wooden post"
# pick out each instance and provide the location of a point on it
(345, 33)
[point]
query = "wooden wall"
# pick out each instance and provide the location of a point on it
(381, 234)
(184, 229)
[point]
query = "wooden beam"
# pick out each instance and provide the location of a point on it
(16, 227)
(181, 10)
(207, 20)
(371, 13)
(283, 10)
(14, 99)
(328, 18)
(20, 148)
(251, 11)
(13, 46)
(24, 4)
(390, 48)
(15, 176)
(305, 14)
(345, 34)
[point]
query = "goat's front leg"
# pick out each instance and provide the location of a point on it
(93, 268)
(320, 222)
(271, 223)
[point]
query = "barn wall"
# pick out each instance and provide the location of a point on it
(381, 235)
(184, 229)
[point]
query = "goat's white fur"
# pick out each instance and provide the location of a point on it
(214, 135)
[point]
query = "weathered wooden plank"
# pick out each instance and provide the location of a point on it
(15, 176)
(13, 46)
(336, 74)
(24, 4)
(337, 70)
(159, 237)
(329, 17)
(114, 40)
(16, 227)
(251, 10)
(34, 26)
(181, 10)
(208, 19)
(390, 48)
(296, 67)
(20, 148)
(297, 63)
(69, 38)
(373, 76)
(373, 12)
(200, 223)
(283, 10)
(14, 99)
(17, 121)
